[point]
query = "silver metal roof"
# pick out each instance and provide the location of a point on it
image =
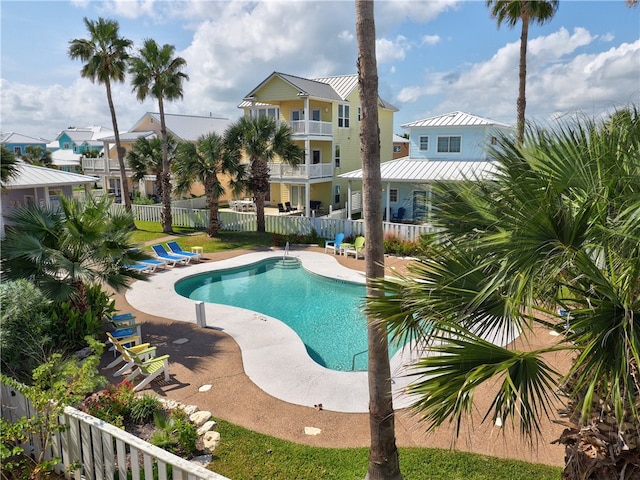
(406, 170)
(13, 137)
(31, 176)
(191, 127)
(454, 119)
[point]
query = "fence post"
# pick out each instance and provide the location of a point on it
(201, 319)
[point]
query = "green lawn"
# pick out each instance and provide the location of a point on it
(243, 454)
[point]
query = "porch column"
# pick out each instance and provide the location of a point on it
(307, 142)
(349, 204)
(387, 201)
(307, 199)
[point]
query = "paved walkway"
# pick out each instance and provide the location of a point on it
(211, 357)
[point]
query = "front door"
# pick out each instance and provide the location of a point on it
(421, 205)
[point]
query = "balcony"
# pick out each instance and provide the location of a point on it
(283, 171)
(99, 165)
(317, 128)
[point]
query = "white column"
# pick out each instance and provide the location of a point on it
(349, 200)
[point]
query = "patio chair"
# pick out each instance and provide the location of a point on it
(289, 208)
(354, 248)
(281, 208)
(124, 325)
(177, 250)
(155, 263)
(334, 244)
(150, 369)
(171, 259)
(399, 216)
(139, 267)
(142, 351)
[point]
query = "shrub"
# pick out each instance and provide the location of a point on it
(176, 433)
(112, 405)
(143, 409)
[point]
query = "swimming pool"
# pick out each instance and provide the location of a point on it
(325, 313)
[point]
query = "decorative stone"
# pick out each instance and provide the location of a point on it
(199, 418)
(180, 341)
(498, 422)
(190, 409)
(205, 388)
(207, 426)
(312, 431)
(202, 460)
(210, 440)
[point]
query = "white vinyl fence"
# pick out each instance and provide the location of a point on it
(326, 227)
(103, 451)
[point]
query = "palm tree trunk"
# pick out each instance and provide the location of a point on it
(213, 203)
(522, 76)
(119, 150)
(167, 220)
(383, 454)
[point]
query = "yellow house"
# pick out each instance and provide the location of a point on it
(324, 116)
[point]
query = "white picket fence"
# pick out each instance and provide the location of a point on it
(325, 227)
(103, 451)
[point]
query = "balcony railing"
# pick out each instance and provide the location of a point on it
(315, 128)
(101, 164)
(285, 171)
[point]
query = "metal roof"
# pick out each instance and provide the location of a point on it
(406, 170)
(399, 139)
(189, 127)
(343, 84)
(128, 136)
(13, 137)
(454, 119)
(31, 176)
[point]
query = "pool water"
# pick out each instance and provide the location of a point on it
(325, 313)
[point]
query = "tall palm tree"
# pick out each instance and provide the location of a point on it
(63, 252)
(383, 453)
(106, 54)
(8, 162)
(203, 162)
(261, 140)
(525, 11)
(145, 157)
(553, 241)
(158, 73)
(34, 155)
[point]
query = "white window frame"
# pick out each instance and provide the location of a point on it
(336, 197)
(397, 149)
(343, 115)
(300, 115)
(448, 150)
(17, 151)
(426, 139)
(393, 195)
(273, 112)
(316, 115)
(337, 155)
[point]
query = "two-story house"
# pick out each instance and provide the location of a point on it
(324, 116)
(183, 128)
(74, 143)
(448, 147)
(18, 143)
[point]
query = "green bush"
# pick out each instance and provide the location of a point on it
(176, 433)
(112, 405)
(143, 409)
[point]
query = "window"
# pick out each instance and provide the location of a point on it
(297, 115)
(343, 116)
(359, 113)
(315, 115)
(393, 195)
(449, 144)
(273, 112)
(66, 146)
(494, 141)
(424, 143)
(316, 156)
(397, 148)
(336, 156)
(17, 151)
(337, 194)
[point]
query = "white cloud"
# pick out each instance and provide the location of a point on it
(391, 50)
(430, 39)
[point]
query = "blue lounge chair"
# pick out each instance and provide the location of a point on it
(171, 259)
(177, 250)
(153, 263)
(138, 267)
(334, 244)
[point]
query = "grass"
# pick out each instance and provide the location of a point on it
(189, 237)
(249, 455)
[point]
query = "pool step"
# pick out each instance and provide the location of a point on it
(287, 263)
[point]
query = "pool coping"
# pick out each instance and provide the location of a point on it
(274, 357)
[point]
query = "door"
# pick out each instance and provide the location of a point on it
(421, 205)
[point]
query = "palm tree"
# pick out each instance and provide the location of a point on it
(145, 157)
(106, 55)
(63, 252)
(34, 155)
(383, 454)
(203, 162)
(261, 140)
(157, 73)
(553, 241)
(511, 12)
(8, 162)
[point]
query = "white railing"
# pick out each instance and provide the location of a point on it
(101, 164)
(100, 449)
(280, 224)
(283, 170)
(315, 128)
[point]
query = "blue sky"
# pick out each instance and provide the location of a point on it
(434, 57)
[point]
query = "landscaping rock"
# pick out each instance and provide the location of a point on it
(210, 440)
(210, 425)
(200, 417)
(202, 460)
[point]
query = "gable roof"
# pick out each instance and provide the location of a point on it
(185, 127)
(82, 134)
(455, 119)
(399, 139)
(334, 89)
(13, 137)
(406, 170)
(31, 176)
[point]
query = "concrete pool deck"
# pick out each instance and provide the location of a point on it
(211, 357)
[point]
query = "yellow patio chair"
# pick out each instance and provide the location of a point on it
(353, 249)
(128, 355)
(150, 369)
